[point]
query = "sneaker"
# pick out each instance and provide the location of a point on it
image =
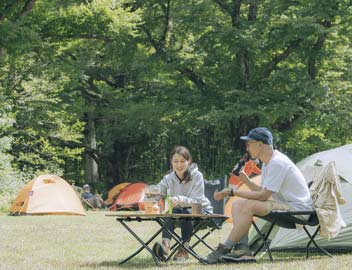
(181, 255)
(239, 255)
(161, 251)
(244, 259)
(214, 257)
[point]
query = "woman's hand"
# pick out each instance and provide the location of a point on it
(175, 201)
(219, 195)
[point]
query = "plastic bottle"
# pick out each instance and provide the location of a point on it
(168, 203)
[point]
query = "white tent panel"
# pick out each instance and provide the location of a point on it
(341, 155)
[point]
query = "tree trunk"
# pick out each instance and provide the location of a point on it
(91, 166)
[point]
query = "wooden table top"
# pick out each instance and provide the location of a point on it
(138, 214)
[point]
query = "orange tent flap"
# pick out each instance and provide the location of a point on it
(131, 195)
(115, 191)
(21, 202)
(251, 168)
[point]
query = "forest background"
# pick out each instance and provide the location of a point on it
(100, 91)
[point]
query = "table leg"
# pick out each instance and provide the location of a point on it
(144, 244)
(178, 239)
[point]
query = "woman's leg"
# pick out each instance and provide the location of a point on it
(170, 224)
(186, 226)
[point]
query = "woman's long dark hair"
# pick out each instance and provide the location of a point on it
(184, 152)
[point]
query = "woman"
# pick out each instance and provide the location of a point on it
(185, 185)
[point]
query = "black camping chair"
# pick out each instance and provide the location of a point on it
(288, 219)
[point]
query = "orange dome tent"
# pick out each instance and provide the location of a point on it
(115, 191)
(130, 197)
(47, 195)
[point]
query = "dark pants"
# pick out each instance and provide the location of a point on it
(186, 225)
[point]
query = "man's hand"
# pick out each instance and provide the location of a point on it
(244, 177)
(219, 195)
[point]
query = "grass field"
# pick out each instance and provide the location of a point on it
(99, 242)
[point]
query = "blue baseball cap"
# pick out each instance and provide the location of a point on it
(259, 134)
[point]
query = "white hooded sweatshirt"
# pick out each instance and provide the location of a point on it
(186, 192)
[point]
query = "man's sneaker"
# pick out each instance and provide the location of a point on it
(238, 255)
(243, 259)
(214, 257)
(161, 251)
(181, 255)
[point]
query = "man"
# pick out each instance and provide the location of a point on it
(94, 201)
(281, 180)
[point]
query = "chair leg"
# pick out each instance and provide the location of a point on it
(311, 237)
(264, 239)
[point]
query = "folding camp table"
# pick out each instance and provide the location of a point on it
(200, 220)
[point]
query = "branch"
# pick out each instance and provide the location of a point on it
(279, 58)
(191, 75)
(117, 81)
(154, 42)
(223, 6)
(235, 15)
(312, 70)
(94, 154)
(168, 23)
(28, 6)
(252, 12)
(186, 71)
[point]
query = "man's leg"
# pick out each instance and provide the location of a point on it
(243, 211)
(243, 243)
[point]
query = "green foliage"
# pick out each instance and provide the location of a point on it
(10, 179)
(123, 82)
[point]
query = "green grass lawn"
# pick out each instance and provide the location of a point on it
(99, 242)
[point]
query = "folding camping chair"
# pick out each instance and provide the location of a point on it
(326, 195)
(86, 204)
(288, 219)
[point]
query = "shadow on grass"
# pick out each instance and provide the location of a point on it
(290, 256)
(143, 263)
(135, 263)
(140, 263)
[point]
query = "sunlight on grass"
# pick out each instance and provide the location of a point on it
(99, 242)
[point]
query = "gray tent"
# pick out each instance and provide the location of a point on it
(286, 239)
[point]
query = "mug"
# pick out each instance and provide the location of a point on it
(196, 208)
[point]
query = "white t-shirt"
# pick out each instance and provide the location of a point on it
(285, 180)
